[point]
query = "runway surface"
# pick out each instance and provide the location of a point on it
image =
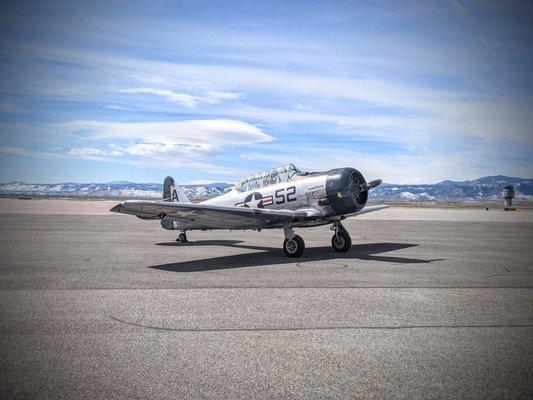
(109, 306)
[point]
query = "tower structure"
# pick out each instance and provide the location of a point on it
(508, 195)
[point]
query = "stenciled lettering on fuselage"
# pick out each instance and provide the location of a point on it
(256, 199)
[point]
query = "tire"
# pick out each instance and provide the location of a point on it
(343, 243)
(294, 247)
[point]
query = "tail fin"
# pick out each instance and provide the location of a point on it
(173, 193)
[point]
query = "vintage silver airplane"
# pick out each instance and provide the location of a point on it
(283, 197)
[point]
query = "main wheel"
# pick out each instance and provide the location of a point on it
(341, 242)
(182, 238)
(294, 247)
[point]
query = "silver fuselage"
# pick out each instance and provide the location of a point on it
(299, 193)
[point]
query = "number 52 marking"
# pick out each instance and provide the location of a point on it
(289, 195)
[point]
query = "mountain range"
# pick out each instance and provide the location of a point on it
(119, 189)
(486, 189)
(482, 190)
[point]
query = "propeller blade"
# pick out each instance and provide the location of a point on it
(373, 184)
(367, 186)
(360, 188)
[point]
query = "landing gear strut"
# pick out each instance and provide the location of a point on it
(182, 238)
(341, 240)
(293, 245)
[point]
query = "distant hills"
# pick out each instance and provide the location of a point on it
(482, 190)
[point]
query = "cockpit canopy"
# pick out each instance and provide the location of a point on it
(267, 178)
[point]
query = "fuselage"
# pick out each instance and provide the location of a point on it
(323, 193)
(300, 192)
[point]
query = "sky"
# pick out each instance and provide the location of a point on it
(410, 92)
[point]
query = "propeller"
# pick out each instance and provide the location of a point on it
(370, 185)
(355, 187)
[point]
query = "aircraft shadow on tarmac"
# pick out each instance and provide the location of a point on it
(274, 255)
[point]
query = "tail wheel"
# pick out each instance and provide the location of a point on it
(294, 247)
(341, 241)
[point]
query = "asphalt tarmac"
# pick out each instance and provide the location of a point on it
(109, 306)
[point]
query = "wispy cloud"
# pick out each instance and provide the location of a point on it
(481, 115)
(182, 98)
(185, 99)
(87, 151)
(208, 131)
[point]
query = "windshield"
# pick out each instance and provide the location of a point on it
(266, 178)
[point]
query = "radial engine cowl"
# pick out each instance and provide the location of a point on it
(346, 190)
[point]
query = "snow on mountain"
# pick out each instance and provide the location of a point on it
(484, 189)
(408, 196)
(112, 189)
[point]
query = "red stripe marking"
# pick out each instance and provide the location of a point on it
(267, 201)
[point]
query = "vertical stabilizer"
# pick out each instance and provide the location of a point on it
(173, 193)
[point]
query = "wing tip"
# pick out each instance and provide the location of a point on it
(116, 208)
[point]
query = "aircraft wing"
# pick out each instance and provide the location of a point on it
(367, 210)
(209, 216)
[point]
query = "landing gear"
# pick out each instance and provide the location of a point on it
(293, 245)
(182, 238)
(341, 240)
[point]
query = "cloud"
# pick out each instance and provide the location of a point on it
(87, 151)
(450, 109)
(185, 99)
(168, 141)
(217, 95)
(188, 144)
(442, 106)
(205, 77)
(18, 151)
(343, 85)
(149, 150)
(182, 98)
(107, 155)
(188, 132)
(22, 151)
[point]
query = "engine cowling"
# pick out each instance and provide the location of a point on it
(346, 190)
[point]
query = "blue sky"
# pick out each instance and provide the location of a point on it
(411, 92)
